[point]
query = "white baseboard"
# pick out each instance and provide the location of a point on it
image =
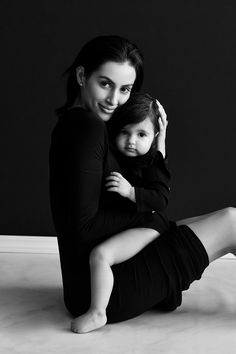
(40, 244)
(28, 244)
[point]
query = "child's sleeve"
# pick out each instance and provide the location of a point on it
(154, 195)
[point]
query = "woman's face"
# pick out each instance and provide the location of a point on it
(107, 88)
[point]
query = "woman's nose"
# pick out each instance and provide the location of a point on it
(113, 98)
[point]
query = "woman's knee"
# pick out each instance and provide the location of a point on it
(229, 215)
(98, 255)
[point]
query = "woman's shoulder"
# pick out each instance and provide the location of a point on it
(78, 126)
(79, 123)
(78, 117)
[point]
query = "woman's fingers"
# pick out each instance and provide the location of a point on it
(161, 108)
(160, 123)
(162, 111)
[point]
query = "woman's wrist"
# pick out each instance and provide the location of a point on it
(162, 150)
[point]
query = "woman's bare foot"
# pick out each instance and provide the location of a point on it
(88, 322)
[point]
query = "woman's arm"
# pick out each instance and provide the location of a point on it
(78, 152)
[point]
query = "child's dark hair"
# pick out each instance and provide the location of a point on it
(96, 52)
(138, 107)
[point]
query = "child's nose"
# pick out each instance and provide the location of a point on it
(131, 140)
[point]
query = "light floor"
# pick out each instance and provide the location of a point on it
(33, 318)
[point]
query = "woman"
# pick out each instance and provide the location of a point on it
(102, 77)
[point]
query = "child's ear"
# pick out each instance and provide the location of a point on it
(80, 75)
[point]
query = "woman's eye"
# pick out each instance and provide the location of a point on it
(142, 135)
(105, 83)
(125, 89)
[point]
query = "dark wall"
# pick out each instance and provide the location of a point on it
(190, 56)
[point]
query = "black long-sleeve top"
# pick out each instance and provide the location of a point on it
(150, 177)
(80, 159)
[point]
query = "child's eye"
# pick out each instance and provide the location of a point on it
(142, 135)
(124, 132)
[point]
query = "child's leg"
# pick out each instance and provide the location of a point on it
(125, 245)
(116, 249)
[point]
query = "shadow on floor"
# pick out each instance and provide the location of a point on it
(30, 308)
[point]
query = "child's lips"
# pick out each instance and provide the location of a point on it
(130, 149)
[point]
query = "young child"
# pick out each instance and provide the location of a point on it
(137, 130)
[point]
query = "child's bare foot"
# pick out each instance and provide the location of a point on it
(88, 322)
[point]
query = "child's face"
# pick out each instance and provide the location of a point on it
(136, 139)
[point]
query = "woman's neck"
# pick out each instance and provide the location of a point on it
(77, 103)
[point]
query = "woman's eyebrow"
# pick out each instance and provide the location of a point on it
(112, 82)
(105, 77)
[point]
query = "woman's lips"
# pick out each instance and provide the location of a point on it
(106, 109)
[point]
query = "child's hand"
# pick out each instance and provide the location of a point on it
(163, 122)
(117, 183)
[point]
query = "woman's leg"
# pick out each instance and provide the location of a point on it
(116, 249)
(216, 231)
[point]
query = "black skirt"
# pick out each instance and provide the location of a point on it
(154, 278)
(157, 275)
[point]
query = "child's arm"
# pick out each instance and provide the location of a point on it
(156, 178)
(155, 190)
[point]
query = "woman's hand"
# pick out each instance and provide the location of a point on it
(161, 137)
(117, 183)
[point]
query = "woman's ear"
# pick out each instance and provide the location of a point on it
(80, 75)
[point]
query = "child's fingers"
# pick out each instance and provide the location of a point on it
(112, 183)
(112, 178)
(117, 174)
(112, 189)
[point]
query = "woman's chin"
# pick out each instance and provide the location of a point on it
(104, 116)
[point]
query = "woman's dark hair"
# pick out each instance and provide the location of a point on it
(135, 110)
(97, 52)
